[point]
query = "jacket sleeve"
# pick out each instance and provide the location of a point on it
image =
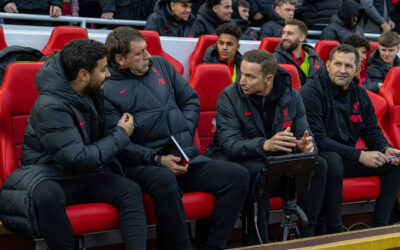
(266, 31)
(375, 75)
(62, 140)
(254, 8)
(132, 154)
(152, 24)
(229, 133)
(328, 34)
(58, 3)
(315, 113)
(107, 5)
(372, 133)
(371, 11)
(199, 27)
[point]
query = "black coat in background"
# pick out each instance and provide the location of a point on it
(274, 27)
(317, 12)
(206, 22)
(28, 5)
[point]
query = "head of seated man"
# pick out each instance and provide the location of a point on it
(361, 44)
(222, 9)
(181, 9)
(285, 8)
(293, 35)
(342, 65)
(244, 9)
(388, 47)
(228, 41)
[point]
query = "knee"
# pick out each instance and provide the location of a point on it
(49, 195)
(237, 176)
(334, 163)
(164, 183)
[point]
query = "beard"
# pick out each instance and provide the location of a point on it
(93, 90)
(292, 45)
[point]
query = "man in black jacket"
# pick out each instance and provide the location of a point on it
(280, 11)
(292, 50)
(65, 154)
(226, 50)
(345, 22)
(383, 59)
(340, 112)
(165, 105)
(211, 14)
(172, 18)
(41, 7)
(261, 115)
(240, 17)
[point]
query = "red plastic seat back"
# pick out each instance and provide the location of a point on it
(3, 43)
(155, 49)
(390, 90)
(270, 43)
(294, 74)
(324, 47)
(62, 35)
(374, 46)
(208, 80)
(17, 96)
(203, 43)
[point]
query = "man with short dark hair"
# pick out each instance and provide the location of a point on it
(212, 14)
(362, 45)
(281, 11)
(172, 18)
(292, 50)
(165, 105)
(340, 112)
(383, 59)
(65, 155)
(226, 50)
(346, 22)
(258, 116)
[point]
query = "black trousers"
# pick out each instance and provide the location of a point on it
(310, 202)
(389, 176)
(51, 197)
(228, 181)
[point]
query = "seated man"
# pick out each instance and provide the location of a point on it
(383, 59)
(292, 50)
(340, 112)
(226, 50)
(345, 22)
(240, 17)
(212, 14)
(362, 45)
(281, 11)
(261, 115)
(164, 104)
(172, 18)
(65, 156)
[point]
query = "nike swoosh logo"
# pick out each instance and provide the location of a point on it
(82, 123)
(122, 91)
(248, 113)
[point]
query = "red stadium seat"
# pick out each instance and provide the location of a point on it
(324, 47)
(62, 35)
(270, 43)
(203, 43)
(3, 43)
(208, 80)
(294, 74)
(360, 188)
(374, 46)
(155, 49)
(390, 90)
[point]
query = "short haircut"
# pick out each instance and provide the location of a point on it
(345, 48)
(231, 29)
(211, 3)
(357, 41)
(244, 4)
(282, 2)
(119, 42)
(300, 24)
(264, 58)
(389, 39)
(81, 54)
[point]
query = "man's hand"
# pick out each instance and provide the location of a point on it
(385, 27)
(172, 163)
(389, 152)
(258, 16)
(305, 144)
(11, 8)
(126, 122)
(107, 15)
(391, 24)
(55, 11)
(372, 159)
(281, 141)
